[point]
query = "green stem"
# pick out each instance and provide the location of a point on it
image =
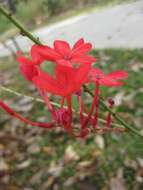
(5, 89)
(19, 25)
(36, 40)
(122, 122)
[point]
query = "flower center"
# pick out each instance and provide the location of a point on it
(62, 116)
(98, 76)
(67, 57)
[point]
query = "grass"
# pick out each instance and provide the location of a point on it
(118, 149)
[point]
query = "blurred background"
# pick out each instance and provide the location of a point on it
(33, 158)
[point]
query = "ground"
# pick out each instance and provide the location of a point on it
(33, 158)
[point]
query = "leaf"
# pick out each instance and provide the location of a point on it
(3, 165)
(119, 98)
(33, 148)
(24, 105)
(117, 183)
(49, 182)
(70, 154)
(37, 177)
(24, 164)
(56, 168)
(99, 140)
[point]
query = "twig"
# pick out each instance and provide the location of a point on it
(122, 122)
(53, 103)
(20, 26)
(36, 40)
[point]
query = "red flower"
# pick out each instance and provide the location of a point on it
(63, 54)
(112, 79)
(99, 78)
(67, 80)
(36, 58)
(29, 67)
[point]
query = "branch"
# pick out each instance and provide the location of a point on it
(22, 29)
(42, 101)
(121, 121)
(35, 40)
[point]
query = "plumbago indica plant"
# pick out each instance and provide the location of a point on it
(73, 69)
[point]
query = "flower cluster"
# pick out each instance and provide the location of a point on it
(73, 69)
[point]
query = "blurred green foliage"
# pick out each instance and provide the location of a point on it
(57, 6)
(36, 12)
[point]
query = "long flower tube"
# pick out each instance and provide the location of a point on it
(80, 108)
(47, 102)
(88, 119)
(68, 124)
(21, 118)
(62, 101)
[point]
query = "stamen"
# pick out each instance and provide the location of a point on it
(63, 118)
(49, 105)
(78, 93)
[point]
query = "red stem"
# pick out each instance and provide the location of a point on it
(18, 116)
(80, 108)
(68, 127)
(62, 102)
(47, 102)
(92, 106)
(108, 120)
(69, 107)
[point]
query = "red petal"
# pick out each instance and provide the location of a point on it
(82, 74)
(65, 75)
(85, 59)
(118, 75)
(48, 53)
(106, 81)
(95, 74)
(68, 80)
(78, 43)
(64, 62)
(28, 70)
(48, 83)
(36, 57)
(23, 59)
(71, 79)
(62, 47)
(81, 50)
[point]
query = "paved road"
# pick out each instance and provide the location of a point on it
(118, 26)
